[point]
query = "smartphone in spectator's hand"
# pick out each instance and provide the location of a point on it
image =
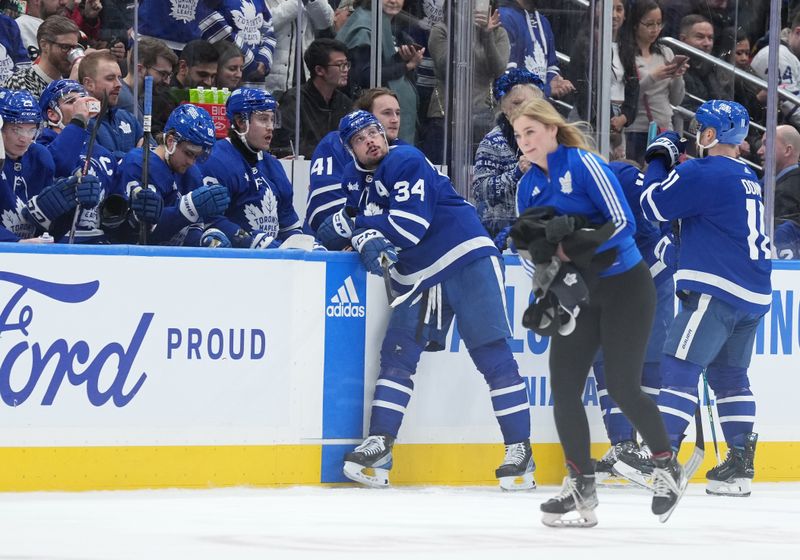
(679, 60)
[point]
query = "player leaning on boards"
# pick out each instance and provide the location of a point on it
(411, 224)
(571, 182)
(723, 280)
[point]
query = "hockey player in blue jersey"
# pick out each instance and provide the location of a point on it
(411, 224)
(331, 162)
(787, 240)
(30, 202)
(261, 213)
(625, 458)
(66, 109)
(176, 203)
(566, 177)
(723, 280)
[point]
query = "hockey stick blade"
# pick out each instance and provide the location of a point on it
(88, 161)
(699, 452)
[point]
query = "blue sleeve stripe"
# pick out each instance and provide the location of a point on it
(607, 192)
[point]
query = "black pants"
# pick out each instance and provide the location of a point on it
(618, 318)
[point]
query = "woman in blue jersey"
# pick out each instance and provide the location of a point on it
(567, 176)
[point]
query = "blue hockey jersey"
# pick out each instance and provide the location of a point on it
(21, 180)
(261, 194)
(173, 228)
(417, 209)
(326, 193)
(787, 240)
(13, 54)
(532, 42)
(581, 183)
(657, 249)
(119, 132)
(724, 250)
(247, 24)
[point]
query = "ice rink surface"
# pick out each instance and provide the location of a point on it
(407, 522)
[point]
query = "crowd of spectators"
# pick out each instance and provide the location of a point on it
(185, 44)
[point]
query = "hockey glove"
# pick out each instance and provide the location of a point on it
(147, 204)
(337, 229)
(501, 239)
(88, 190)
(373, 247)
(204, 201)
(261, 240)
(54, 201)
(667, 145)
(213, 237)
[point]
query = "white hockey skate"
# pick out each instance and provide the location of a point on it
(516, 472)
(734, 475)
(369, 463)
(575, 506)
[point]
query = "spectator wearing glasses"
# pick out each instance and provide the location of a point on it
(56, 38)
(37, 12)
(119, 130)
(322, 105)
(660, 75)
(157, 60)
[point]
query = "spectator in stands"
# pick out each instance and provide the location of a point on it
(230, 66)
(341, 14)
(317, 16)
(490, 50)
(332, 164)
(499, 165)
(197, 65)
(56, 38)
(787, 180)
(532, 44)
(624, 80)
(322, 105)
(400, 59)
(13, 55)
(89, 17)
(37, 12)
(119, 130)
(722, 15)
(156, 60)
(660, 78)
(788, 69)
(702, 78)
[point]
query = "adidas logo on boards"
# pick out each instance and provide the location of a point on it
(345, 302)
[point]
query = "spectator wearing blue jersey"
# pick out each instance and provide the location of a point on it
(499, 165)
(13, 55)
(723, 280)
(566, 176)
(411, 225)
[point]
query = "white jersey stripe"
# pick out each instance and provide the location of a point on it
(740, 398)
(724, 284)
(691, 327)
(507, 390)
(675, 412)
(408, 235)
(394, 385)
(389, 405)
(512, 410)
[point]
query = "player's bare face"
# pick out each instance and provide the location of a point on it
(536, 140)
(262, 125)
(184, 157)
(387, 110)
(369, 146)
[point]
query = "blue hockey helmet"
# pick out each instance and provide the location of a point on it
(245, 101)
(729, 119)
(514, 77)
(190, 123)
(19, 107)
(355, 121)
(55, 91)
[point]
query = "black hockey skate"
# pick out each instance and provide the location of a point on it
(733, 476)
(634, 463)
(669, 484)
(516, 472)
(577, 495)
(369, 463)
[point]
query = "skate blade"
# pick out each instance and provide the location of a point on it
(632, 475)
(516, 483)
(662, 518)
(368, 476)
(736, 488)
(606, 480)
(584, 519)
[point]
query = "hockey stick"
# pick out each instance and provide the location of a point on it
(394, 298)
(699, 452)
(147, 126)
(87, 163)
(652, 131)
(710, 410)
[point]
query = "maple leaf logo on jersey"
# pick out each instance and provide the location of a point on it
(12, 220)
(566, 183)
(183, 10)
(373, 209)
(249, 23)
(125, 127)
(264, 217)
